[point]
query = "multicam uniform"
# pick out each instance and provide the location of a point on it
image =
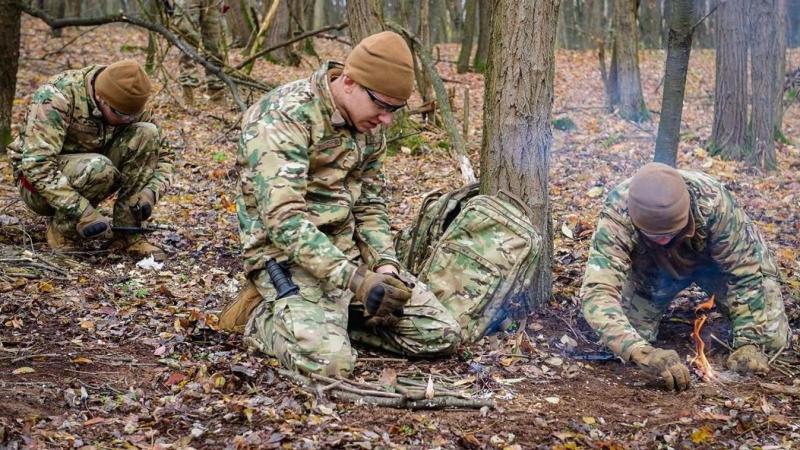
(310, 195)
(629, 281)
(200, 22)
(66, 157)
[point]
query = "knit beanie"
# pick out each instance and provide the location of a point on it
(124, 85)
(658, 199)
(382, 63)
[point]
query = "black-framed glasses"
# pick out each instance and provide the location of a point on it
(120, 114)
(388, 107)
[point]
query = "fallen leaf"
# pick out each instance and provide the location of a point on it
(23, 370)
(552, 400)
(566, 231)
(388, 377)
(429, 394)
(175, 378)
(94, 421)
(82, 360)
(595, 192)
(702, 435)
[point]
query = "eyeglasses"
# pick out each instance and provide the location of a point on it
(388, 107)
(662, 237)
(120, 114)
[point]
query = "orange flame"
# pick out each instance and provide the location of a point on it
(700, 360)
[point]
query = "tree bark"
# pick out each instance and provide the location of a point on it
(729, 132)
(650, 23)
(467, 37)
(484, 34)
(703, 33)
(9, 62)
(780, 73)
(678, 50)
(515, 153)
(625, 64)
(240, 22)
(764, 61)
(279, 31)
(424, 84)
(365, 18)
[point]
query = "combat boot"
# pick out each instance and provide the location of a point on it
(137, 247)
(235, 315)
(59, 242)
(188, 95)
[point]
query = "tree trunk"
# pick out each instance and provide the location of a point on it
(280, 31)
(240, 22)
(458, 14)
(729, 132)
(515, 153)
(484, 33)
(678, 50)
(793, 23)
(703, 34)
(780, 74)
(467, 37)
(424, 83)
(764, 61)
(650, 23)
(9, 61)
(365, 18)
(626, 55)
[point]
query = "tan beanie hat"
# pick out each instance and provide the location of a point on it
(658, 199)
(382, 63)
(124, 85)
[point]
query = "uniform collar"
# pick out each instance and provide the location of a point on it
(321, 81)
(88, 80)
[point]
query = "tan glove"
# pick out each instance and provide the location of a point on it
(142, 204)
(383, 296)
(93, 225)
(748, 359)
(665, 364)
(235, 315)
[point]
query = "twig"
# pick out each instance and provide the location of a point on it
(434, 403)
(569, 325)
(777, 354)
(68, 43)
(39, 355)
(719, 341)
(300, 37)
(714, 9)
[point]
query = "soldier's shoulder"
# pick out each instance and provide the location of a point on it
(702, 181)
(617, 198)
(707, 192)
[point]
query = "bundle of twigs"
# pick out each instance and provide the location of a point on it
(405, 393)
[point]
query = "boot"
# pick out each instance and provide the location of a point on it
(58, 242)
(235, 315)
(137, 247)
(188, 95)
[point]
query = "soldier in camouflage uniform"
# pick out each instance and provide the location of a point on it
(660, 231)
(200, 22)
(88, 136)
(310, 159)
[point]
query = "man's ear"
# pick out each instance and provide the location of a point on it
(348, 82)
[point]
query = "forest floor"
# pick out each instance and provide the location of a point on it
(96, 352)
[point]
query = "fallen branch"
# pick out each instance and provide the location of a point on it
(783, 389)
(458, 147)
(372, 394)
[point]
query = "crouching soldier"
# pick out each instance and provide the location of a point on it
(88, 136)
(660, 231)
(319, 258)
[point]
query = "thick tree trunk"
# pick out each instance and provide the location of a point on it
(729, 132)
(678, 50)
(764, 60)
(240, 22)
(704, 33)
(793, 23)
(484, 34)
(9, 60)
(515, 153)
(365, 18)
(780, 73)
(467, 37)
(626, 70)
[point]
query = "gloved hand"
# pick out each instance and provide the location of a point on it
(383, 296)
(664, 363)
(748, 359)
(92, 224)
(142, 203)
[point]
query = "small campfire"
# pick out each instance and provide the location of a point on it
(700, 362)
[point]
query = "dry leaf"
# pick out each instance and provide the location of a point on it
(82, 360)
(388, 377)
(566, 231)
(23, 370)
(595, 192)
(429, 394)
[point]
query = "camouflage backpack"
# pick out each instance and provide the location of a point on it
(475, 252)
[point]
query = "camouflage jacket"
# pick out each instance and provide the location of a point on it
(310, 185)
(63, 118)
(723, 236)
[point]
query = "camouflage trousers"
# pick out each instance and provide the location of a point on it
(312, 331)
(126, 168)
(200, 22)
(645, 299)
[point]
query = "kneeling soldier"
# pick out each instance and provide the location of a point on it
(660, 231)
(88, 136)
(310, 211)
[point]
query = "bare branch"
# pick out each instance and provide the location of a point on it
(289, 42)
